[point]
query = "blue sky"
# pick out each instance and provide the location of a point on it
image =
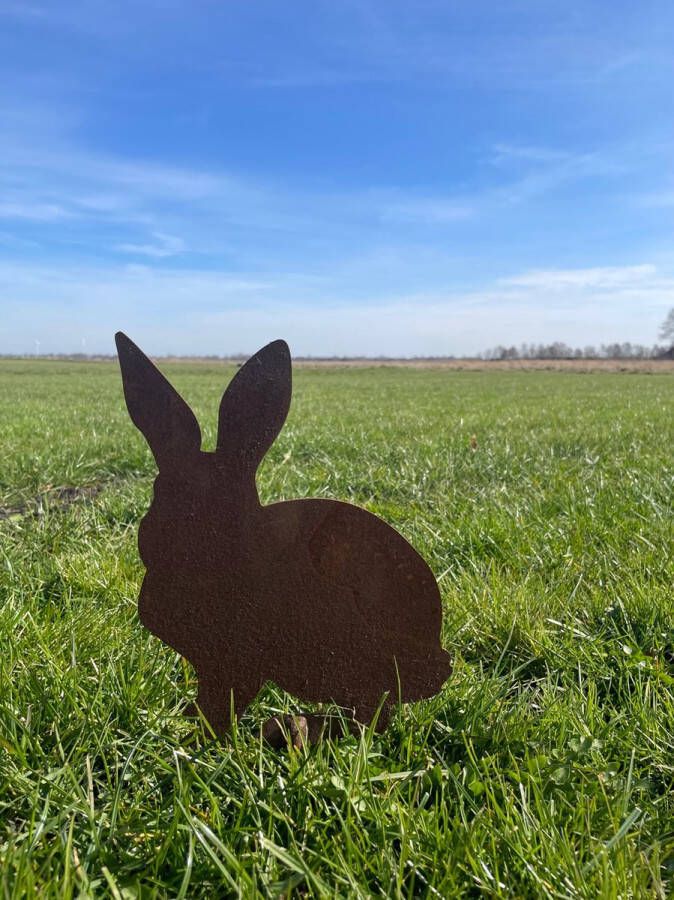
(362, 176)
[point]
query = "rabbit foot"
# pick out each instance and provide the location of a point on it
(367, 713)
(220, 707)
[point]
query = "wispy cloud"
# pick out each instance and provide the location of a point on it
(164, 245)
(146, 202)
(655, 199)
(22, 10)
(505, 154)
(434, 211)
(33, 211)
(542, 170)
(607, 278)
(315, 77)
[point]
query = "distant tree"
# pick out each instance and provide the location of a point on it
(667, 327)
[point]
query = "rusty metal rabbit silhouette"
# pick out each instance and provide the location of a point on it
(319, 596)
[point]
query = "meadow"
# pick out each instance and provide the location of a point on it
(545, 768)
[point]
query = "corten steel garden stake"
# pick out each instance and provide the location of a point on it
(319, 596)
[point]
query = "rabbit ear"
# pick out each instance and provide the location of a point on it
(156, 408)
(255, 405)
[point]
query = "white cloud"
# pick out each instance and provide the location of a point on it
(200, 312)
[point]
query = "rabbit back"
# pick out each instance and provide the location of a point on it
(359, 603)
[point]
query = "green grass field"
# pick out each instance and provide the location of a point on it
(545, 767)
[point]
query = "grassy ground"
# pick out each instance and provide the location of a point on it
(545, 768)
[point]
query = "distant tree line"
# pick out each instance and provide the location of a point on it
(556, 350)
(560, 350)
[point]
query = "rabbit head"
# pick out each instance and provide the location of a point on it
(200, 498)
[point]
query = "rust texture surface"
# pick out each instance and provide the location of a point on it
(319, 596)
